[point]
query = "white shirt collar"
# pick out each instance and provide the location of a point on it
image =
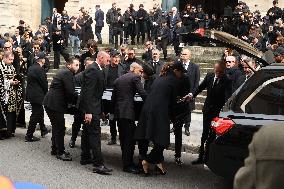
(99, 66)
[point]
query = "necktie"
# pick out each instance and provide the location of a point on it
(216, 80)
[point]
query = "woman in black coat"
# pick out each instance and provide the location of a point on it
(154, 122)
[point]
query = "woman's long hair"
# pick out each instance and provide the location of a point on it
(166, 69)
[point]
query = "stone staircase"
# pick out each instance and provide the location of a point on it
(205, 57)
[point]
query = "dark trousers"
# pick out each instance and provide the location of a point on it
(76, 126)
(162, 45)
(208, 135)
(21, 117)
(57, 54)
(178, 139)
(111, 41)
(126, 128)
(58, 130)
(98, 33)
(11, 122)
(178, 134)
(37, 117)
(113, 131)
(130, 31)
(156, 155)
(91, 141)
(65, 34)
(141, 29)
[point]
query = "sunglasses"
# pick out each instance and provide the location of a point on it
(155, 53)
(7, 47)
(130, 53)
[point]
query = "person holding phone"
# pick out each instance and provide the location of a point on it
(10, 96)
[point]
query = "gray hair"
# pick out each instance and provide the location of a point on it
(134, 65)
(102, 54)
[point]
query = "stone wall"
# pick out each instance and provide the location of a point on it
(11, 11)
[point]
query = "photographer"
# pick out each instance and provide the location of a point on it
(58, 48)
(65, 27)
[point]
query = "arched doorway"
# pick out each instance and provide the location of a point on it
(60, 4)
(48, 5)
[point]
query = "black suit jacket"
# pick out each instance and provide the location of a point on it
(17, 44)
(37, 85)
(125, 88)
(92, 90)
(99, 18)
(120, 70)
(156, 67)
(193, 76)
(217, 95)
(61, 91)
(84, 56)
(233, 75)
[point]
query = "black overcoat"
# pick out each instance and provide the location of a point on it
(154, 122)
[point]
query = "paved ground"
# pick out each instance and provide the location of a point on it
(32, 162)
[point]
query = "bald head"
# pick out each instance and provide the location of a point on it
(136, 68)
(103, 59)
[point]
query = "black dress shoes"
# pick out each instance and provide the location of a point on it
(112, 142)
(178, 161)
(103, 170)
(131, 169)
(186, 132)
(31, 139)
(43, 133)
(64, 157)
(198, 161)
(72, 144)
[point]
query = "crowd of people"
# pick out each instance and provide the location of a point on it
(167, 89)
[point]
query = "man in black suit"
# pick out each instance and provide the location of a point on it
(91, 53)
(78, 118)
(99, 18)
(190, 85)
(218, 91)
(233, 71)
(61, 92)
(123, 94)
(37, 87)
(91, 107)
(164, 38)
(111, 73)
(130, 58)
(156, 64)
(17, 39)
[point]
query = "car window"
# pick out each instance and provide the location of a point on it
(269, 100)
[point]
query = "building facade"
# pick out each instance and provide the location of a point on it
(34, 11)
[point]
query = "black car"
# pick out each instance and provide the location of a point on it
(258, 102)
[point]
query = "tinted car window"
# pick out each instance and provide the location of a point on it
(270, 100)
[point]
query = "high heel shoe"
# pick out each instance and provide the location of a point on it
(159, 169)
(145, 166)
